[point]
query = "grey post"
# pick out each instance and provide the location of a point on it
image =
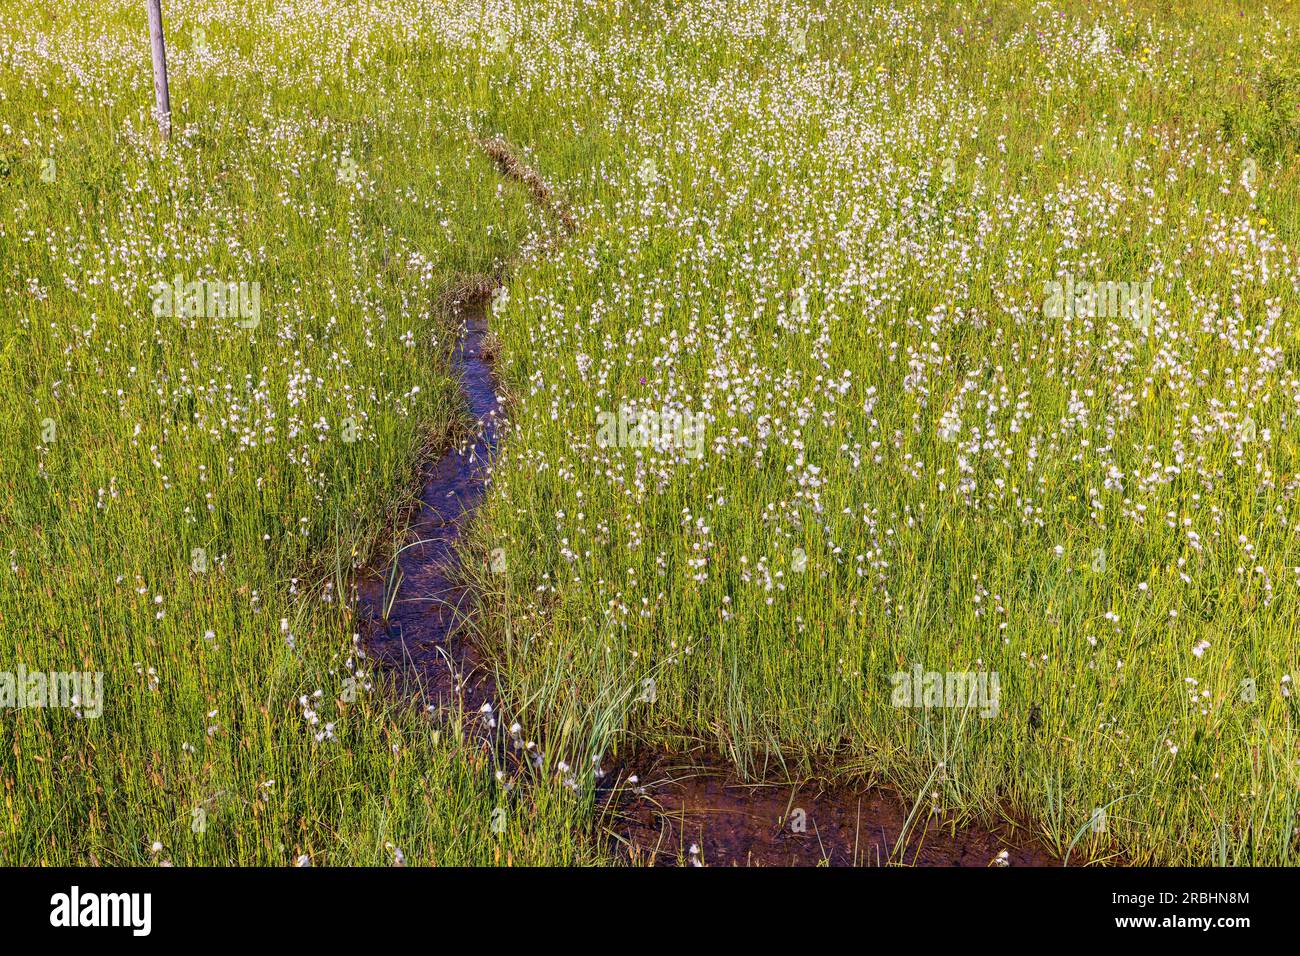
(161, 97)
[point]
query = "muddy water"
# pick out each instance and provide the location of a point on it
(678, 808)
(424, 636)
(676, 805)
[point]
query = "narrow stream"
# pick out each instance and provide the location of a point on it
(675, 810)
(424, 636)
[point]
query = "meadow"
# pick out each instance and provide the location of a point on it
(844, 257)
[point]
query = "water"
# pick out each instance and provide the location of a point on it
(424, 637)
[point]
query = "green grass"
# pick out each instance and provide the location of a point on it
(898, 439)
(173, 434)
(781, 176)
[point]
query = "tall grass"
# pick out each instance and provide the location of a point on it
(835, 246)
(184, 499)
(825, 227)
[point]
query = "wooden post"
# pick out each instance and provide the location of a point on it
(162, 101)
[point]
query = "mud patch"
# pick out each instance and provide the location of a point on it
(706, 816)
(511, 166)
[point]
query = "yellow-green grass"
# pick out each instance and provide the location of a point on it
(777, 240)
(825, 227)
(184, 499)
